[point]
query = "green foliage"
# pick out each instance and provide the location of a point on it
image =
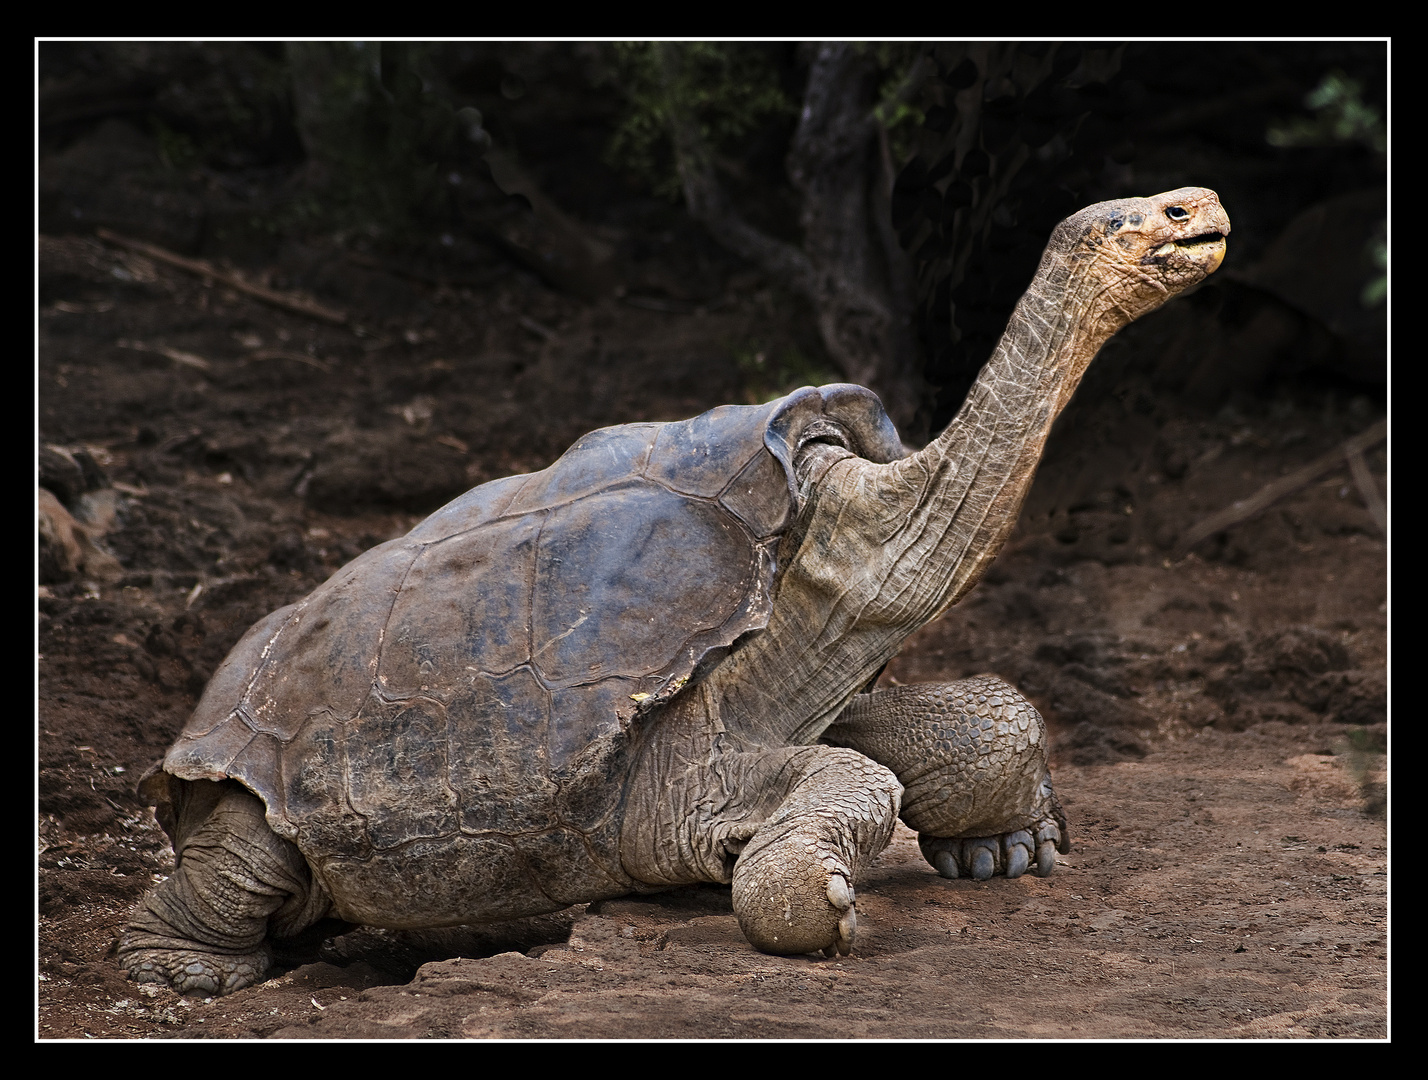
(729, 88)
(771, 372)
(1376, 291)
(238, 105)
(388, 146)
(178, 151)
(897, 91)
(1340, 116)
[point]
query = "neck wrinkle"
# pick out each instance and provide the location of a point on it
(965, 489)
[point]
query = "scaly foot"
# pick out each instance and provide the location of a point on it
(793, 883)
(790, 903)
(202, 974)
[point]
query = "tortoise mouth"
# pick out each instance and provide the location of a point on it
(1206, 250)
(1209, 238)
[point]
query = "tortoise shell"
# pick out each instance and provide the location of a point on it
(443, 726)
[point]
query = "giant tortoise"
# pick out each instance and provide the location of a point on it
(648, 665)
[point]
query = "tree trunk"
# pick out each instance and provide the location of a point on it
(850, 266)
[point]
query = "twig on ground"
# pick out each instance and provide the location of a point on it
(1262, 499)
(289, 301)
(1359, 469)
(540, 330)
(288, 354)
(178, 356)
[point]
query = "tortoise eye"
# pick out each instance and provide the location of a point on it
(1177, 213)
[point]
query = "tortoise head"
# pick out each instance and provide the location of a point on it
(1139, 253)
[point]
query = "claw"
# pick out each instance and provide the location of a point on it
(983, 863)
(1012, 854)
(1045, 858)
(1017, 848)
(1055, 831)
(847, 931)
(1018, 859)
(842, 897)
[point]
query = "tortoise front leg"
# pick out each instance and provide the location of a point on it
(971, 756)
(791, 827)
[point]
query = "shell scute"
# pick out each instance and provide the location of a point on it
(463, 608)
(478, 506)
(613, 571)
(396, 771)
(595, 462)
(699, 456)
(499, 760)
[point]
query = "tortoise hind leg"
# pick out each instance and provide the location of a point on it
(971, 755)
(204, 929)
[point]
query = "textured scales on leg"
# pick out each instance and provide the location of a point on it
(971, 756)
(204, 930)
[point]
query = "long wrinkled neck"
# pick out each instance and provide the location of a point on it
(887, 548)
(965, 489)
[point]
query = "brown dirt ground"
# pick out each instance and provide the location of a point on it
(1219, 722)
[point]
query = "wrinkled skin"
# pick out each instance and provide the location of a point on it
(768, 769)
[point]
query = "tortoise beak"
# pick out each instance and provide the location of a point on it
(1217, 258)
